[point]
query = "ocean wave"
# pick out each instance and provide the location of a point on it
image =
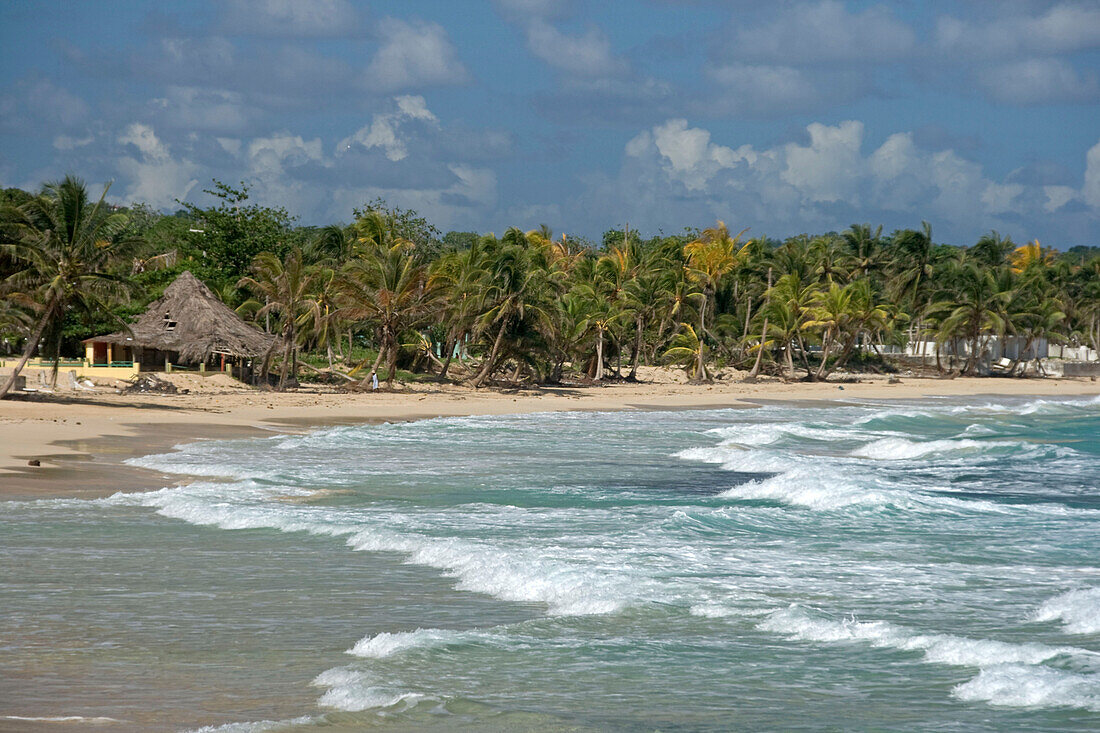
(1027, 686)
(354, 691)
(258, 726)
(1078, 610)
(797, 623)
(380, 646)
(815, 489)
(583, 586)
(900, 449)
(760, 434)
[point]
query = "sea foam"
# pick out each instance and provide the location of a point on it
(1078, 610)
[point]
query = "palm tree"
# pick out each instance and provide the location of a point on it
(63, 246)
(517, 285)
(286, 287)
(974, 310)
(389, 288)
(690, 352)
(864, 244)
(709, 257)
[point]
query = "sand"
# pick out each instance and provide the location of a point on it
(80, 439)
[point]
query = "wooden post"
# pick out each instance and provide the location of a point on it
(202, 368)
(167, 365)
(110, 354)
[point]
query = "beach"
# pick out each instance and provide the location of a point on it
(80, 439)
(615, 558)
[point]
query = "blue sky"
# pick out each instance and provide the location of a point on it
(785, 117)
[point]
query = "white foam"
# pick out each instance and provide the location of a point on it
(354, 691)
(1016, 685)
(797, 623)
(815, 489)
(258, 726)
(1078, 610)
(901, 449)
(386, 644)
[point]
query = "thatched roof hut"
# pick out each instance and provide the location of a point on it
(192, 322)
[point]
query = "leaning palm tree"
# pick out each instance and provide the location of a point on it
(286, 287)
(63, 246)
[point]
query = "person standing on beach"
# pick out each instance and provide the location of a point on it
(374, 381)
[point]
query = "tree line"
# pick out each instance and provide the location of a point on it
(389, 291)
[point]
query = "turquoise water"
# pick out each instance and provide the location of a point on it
(918, 566)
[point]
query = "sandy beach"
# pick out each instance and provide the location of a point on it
(81, 439)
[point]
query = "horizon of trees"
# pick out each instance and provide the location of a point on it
(530, 306)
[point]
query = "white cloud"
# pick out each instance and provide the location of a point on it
(271, 155)
(154, 177)
(384, 131)
(290, 17)
(1061, 29)
(145, 140)
(588, 55)
(66, 142)
(686, 153)
(195, 108)
(830, 167)
(825, 31)
(1038, 81)
(1090, 192)
(414, 55)
(1057, 197)
(820, 185)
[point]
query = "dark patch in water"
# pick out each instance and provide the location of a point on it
(1074, 501)
(701, 481)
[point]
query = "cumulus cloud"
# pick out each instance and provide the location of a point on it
(824, 184)
(1090, 192)
(385, 132)
(292, 18)
(825, 31)
(1038, 81)
(413, 54)
(153, 176)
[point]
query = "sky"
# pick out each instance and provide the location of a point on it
(784, 117)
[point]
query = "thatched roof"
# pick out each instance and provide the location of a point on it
(191, 320)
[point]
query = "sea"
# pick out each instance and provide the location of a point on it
(927, 565)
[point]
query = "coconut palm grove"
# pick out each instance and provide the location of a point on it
(388, 293)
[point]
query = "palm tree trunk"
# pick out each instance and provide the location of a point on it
(449, 344)
(32, 344)
(490, 363)
(790, 360)
(825, 347)
(285, 366)
(763, 334)
(637, 349)
(700, 367)
(599, 353)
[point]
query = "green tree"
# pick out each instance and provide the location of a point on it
(63, 246)
(233, 232)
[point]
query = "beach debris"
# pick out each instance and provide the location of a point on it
(34, 462)
(150, 383)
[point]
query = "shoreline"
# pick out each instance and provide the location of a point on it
(81, 442)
